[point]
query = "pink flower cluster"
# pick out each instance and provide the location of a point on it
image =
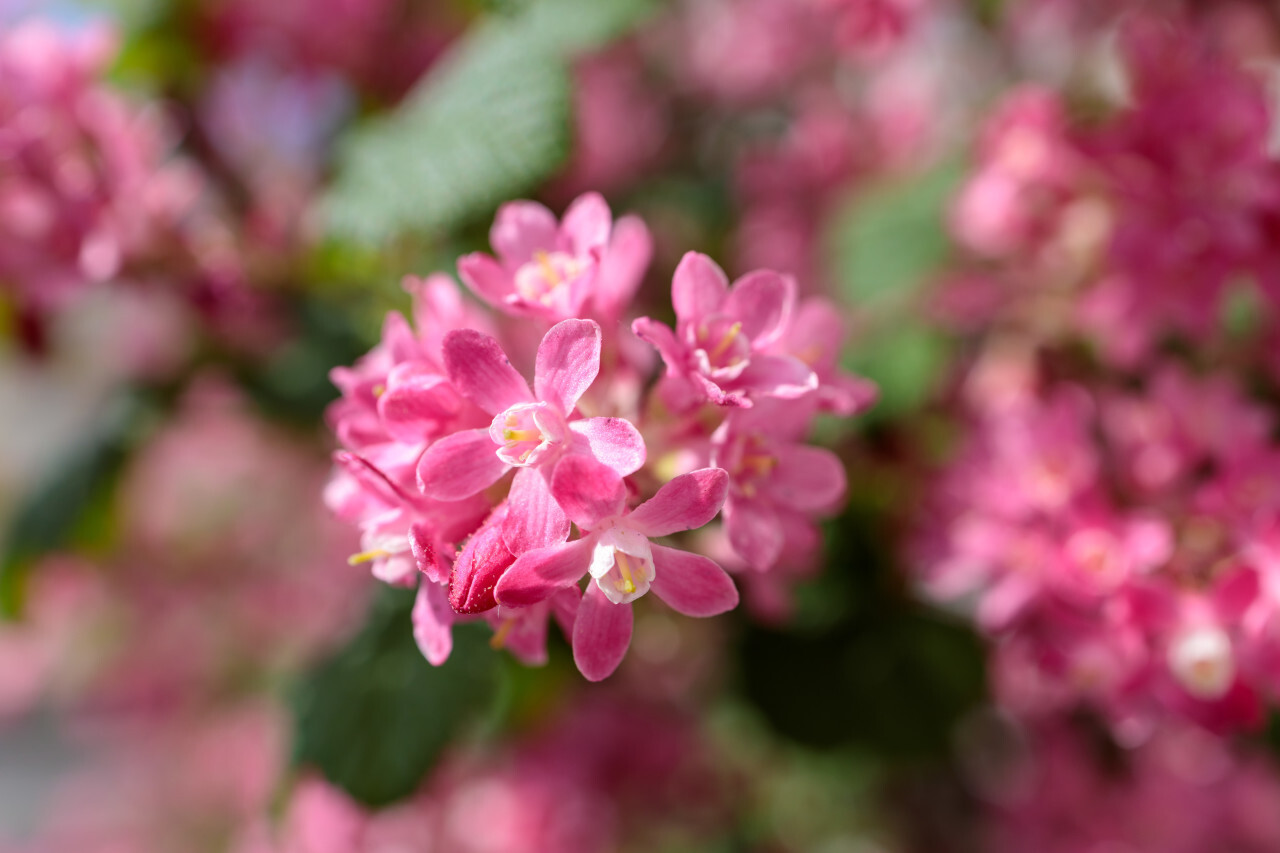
(1133, 229)
(467, 479)
(1122, 547)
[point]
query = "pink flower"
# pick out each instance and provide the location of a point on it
(530, 432)
(719, 348)
(615, 550)
(775, 482)
(553, 271)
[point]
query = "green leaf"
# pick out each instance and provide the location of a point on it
(887, 240)
(60, 508)
(488, 124)
(375, 717)
(906, 362)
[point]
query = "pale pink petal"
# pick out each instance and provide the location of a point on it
(534, 519)
(567, 364)
(587, 490)
(807, 478)
(487, 278)
(685, 503)
(691, 583)
(537, 575)
(478, 568)
(564, 607)
(623, 267)
(754, 532)
(460, 465)
(520, 229)
(527, 636)
(601, 634)
(479, 369)
(433, 623)
(425, 556)
(613, 441)
(664, 341)
(777, 376)
(586, 225)
(761, 302)
(698, 287)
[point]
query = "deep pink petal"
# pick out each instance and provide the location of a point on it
(534, 519)
(761, 302)
(691, 583)
(479, 369)
(567, 364)
(685, 503)
(433, 622)
(587, 490)
(415, 407)
(806, 478)
(623, 267)
(754, 532)
(520, 229)
(777, 376)
(537, 575)
(601, 634)
(664, 341)
(698, 287)
(460, 465)
(586, 225)
(478, 568)
(487, 278)
(614, 441)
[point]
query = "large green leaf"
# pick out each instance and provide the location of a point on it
(375, 717)
(488, 124)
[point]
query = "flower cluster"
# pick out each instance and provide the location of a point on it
(462, 474)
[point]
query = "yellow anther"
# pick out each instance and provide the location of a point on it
(521, 435)
(548, 269)
(366, 556)
(760, 464)
(499, 638)
(628, 584)
(379, 390)
(726, 342)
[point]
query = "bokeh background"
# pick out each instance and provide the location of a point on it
(207, 205)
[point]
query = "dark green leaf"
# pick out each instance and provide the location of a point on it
(375, 717)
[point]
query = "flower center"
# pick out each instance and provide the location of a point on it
(1202, 662)
(721, 348)
(528, 434)
(543, 279)
(622, 564)
(749, 464)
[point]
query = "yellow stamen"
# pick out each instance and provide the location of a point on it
(725, 342)
(628, 585)
(379, 390)
(548, 269)
(760, 464)
(366, 556)
(521, 435)
(499, 638)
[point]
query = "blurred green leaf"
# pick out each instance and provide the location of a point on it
(905, 362)
(489, 123)
(375, 717)
(887, 240)
(60, 511)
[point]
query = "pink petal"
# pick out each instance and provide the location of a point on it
(481, 372)
(623, 267)
(568, 361)
(613, 441)
(487, 278)
(534, 519)
(564, 607)
(424, 553)
(417, 406)
(460, 465)
(664, 341)
(691, 583)
(477, 570)
(761, 301)
(777, 376)
(586, 225)
(601, 634)
(807, 478)
(698, 287)
(520, 229)
(433, 622)
(539, 574)
(587, 490)
(527, 637)
(754, 532)
(686, 502)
